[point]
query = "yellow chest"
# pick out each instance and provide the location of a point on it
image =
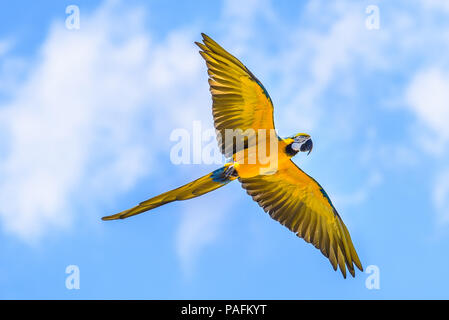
(261, 159)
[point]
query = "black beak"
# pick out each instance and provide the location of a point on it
(307, 146)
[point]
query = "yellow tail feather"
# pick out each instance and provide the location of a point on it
(205, 184)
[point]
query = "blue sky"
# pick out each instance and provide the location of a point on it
(85, 123)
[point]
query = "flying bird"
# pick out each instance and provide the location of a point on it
(288, 194)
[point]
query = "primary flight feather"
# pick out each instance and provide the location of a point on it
(290, 196)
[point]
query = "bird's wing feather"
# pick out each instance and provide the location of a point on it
(196, 188)
(298, 202)
(239, 100)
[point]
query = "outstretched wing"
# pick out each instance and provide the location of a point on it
(203, 185)
(239, 100)
(298, 202)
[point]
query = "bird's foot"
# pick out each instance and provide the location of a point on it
(230, 171)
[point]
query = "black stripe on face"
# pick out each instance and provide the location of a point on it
(289, 150)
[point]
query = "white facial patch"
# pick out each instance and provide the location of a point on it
(296, 146)
(298, 142)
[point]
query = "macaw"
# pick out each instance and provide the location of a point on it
(288, 194)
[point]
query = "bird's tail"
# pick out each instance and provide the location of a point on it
(205, 184)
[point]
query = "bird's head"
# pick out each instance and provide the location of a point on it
(302, 142)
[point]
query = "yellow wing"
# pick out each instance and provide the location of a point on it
(239, 100)
(203, 185)
(298, 202)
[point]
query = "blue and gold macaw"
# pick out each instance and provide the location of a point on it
(289, 195)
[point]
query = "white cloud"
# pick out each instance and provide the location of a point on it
(359, 196)
(239, 18)
(427, 96)
(316, 57)
(72, 127)
(200, 226)
(386, 154)
(435, 4)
